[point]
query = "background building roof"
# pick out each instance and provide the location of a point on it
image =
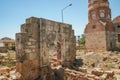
(7, 39)
(116, 20)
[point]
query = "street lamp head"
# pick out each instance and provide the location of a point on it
(64, 9)
(70, 4)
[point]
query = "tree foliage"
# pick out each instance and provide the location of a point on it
(82, 40)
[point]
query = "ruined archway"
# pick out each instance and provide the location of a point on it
(38, 39)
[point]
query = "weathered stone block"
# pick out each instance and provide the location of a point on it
(29, 70)
(28, 50)
(32, 20)
(29, 43)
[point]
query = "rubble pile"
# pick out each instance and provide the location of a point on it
(94, 75)
(7, 73)
(105, 65)
(96, 66)
(55, 62)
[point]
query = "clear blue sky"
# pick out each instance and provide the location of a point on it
(14, 12)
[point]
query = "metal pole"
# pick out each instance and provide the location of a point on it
(63, 10)
(62, 15)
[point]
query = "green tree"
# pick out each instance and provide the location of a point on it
(82, 40)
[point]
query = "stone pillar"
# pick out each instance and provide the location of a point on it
(70, 48)
(27, 50)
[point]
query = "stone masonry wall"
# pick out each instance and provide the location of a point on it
(33, 46)
(111, 43)
(96, 41)
(117, 32)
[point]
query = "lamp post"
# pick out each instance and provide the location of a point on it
(63, 10)
(79, 41)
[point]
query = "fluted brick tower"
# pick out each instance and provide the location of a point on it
(99, 32)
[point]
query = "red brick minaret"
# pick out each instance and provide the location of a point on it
(99, 32)
(99, 10)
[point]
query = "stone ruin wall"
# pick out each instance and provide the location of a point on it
(33, 46)
(99, 39)
(116, 23)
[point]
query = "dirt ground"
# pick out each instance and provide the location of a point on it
(101, 62)
(92, 66)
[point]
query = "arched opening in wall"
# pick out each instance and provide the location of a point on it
(55, 48)
(111, 45)
(118, 26)
(118, 37)
(94, 26)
